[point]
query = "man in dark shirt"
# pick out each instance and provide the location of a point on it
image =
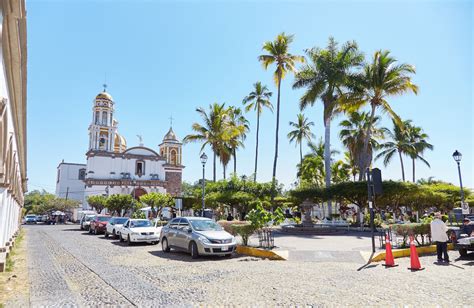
(466, 227)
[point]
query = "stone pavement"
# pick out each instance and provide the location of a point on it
(73, 269)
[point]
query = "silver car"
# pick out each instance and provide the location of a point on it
(198, 236)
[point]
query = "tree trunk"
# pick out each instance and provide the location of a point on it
(327, 157)
(235, 162)
(301, 153)
(413, 164)
(214, 168)
(276, 142)
(223, 169)
(256, 148)
(401, 163)
(365, 150)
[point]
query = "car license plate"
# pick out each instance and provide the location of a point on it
(225, 248)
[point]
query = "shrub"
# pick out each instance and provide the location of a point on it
(377, 220)
(415, 230)
(227, 225)
(244, 230)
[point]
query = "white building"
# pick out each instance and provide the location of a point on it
(12, 120)
(112, 168)
(70, 181)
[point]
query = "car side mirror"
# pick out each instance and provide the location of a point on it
(189, 230)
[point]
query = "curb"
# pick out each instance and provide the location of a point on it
(257, 252)
(405, 252)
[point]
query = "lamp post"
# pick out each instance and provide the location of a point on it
(203, 162)
(457, 158)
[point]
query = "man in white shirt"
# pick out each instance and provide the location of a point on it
(439, 236)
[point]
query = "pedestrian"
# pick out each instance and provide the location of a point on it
(439, 236)
(467, 228)
(230, 217)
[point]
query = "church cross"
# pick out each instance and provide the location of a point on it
(171, 120)
(105, 87)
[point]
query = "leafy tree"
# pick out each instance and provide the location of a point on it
(311, 171)
(98, 202)
(278, 54)
(36, 199)
(261, 218)
(380, 79)
(257, 100)
(157, 201)
(340, 172)
(240, 125)
(302, 130)
(120, 204)
(325, 77)
(419, 144)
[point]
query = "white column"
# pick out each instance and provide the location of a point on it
(3, 205)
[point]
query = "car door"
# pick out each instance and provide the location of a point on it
(171, 231)
(182, 234)
(125, 230)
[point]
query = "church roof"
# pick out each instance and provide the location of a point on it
(104, 95)
(170, 136)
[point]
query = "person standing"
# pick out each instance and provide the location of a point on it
(439, 236)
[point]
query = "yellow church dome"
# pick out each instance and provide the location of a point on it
(104, 95)
(120, 143)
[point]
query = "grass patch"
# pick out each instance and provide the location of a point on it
(10, 263)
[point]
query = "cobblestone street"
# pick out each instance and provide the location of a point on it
(70, 267)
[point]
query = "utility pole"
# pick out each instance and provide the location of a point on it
(370, 191)
(67, 193)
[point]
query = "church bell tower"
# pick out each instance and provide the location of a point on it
(103, 129)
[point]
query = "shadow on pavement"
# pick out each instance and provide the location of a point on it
(183, 256)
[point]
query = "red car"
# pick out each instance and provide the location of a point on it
(98, 224)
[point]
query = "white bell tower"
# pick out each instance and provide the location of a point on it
(103, 128)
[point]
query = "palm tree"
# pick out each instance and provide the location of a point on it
(379, 80)
(399, 143)
(349, 160)
(240, 125)
(325, 78)
(258, 99)
(302, 131)
(212, 132)
(352, 135)
(285, 62)
(419, 143)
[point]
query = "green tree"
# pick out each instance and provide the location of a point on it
(325, 77)
(213, 132)
(340, 172)
(278, 54)
(311, 171)
(419, 144)
(98, 202)
(120, 204)
(37, 200)
(381, 79)
(302, 130)
(240, 127)
(399, 142)
(157, 201)
(257, 100)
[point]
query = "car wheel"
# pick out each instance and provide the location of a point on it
(120, 238)
(164, 245)
(228, 255)
(463, 252)
(193, 250)
(154, 243)
(90, 230)
(114, 235)
(106, 235)
(95, 231)
(129, 243)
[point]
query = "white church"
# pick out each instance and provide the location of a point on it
(112, 168)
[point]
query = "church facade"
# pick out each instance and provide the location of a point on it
(113, 168)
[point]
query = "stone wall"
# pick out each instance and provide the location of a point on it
(173, 180)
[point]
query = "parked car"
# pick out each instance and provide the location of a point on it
(114, 225)
(97, 225)
(86, 221)
(198, 236)
(30, 219)
(462, 242)
(138, 230)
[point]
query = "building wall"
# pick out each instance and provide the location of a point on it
(12, 117)
(68, 182)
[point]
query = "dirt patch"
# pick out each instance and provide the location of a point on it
(14, 283)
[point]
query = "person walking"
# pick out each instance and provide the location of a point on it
(439, 236)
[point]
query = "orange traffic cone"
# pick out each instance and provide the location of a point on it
(389, 261)
(414, 261)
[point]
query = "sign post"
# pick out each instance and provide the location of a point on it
(374, 186)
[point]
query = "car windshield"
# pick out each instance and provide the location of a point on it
(31, 216)
(89, 218)
(120, 221)
(140, 223)
(205, 225)
(104, 218)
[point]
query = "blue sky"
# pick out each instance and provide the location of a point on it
(164, 58)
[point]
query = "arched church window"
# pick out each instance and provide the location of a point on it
(173, 157)
(140, 168)
(82, 174)
(97, 114)
(104, 117)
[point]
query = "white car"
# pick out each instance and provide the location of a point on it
(139, 230)
(113, 226)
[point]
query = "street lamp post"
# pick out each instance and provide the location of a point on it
(203, 162)
(457, 158)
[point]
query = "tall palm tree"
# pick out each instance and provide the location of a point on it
(240, 125)
(352, 135)
(349, 160)
(279, 55)
(212, 132)
(325, 77)
(302, 130)
(257, 100)
(419, 143)
(399, 143)
(380, 79)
